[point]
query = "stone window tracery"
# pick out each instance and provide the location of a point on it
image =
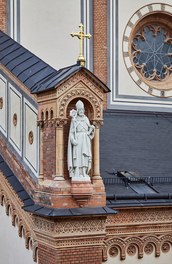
(151, 51)
(147, 49)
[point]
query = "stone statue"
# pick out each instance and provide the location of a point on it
(79, 144)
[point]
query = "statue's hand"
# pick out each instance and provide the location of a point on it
(91, 131)
(74, 142)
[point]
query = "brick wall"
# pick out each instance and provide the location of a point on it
(49, 152)
(3, 15)
(100, 41)
(77, 255)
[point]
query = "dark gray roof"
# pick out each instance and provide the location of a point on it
(141, 144)
(34, 73)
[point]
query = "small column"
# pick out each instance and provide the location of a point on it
(59, 151)
(96, 156)
(41, 172)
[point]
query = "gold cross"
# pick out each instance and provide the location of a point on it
(81, 35)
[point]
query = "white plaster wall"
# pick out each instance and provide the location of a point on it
(15, 107)
(165, 258)
(12, 247)
(129, 94)
(3, 93)
(45, 30)
(31, 150)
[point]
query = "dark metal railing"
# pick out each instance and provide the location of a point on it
(126, 181)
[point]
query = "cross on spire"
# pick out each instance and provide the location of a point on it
(81, 35)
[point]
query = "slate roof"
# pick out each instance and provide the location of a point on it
(141, 144)
(33, 72)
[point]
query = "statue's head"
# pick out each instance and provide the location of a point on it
(80, 108)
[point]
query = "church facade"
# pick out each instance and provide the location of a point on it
(115, 111)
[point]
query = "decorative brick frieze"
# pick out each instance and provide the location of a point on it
(141, 216)
(100, 39)
(68, 227)
(100, 57)
(142, 244)
(73, 236)
(3, 15)
(138, 230)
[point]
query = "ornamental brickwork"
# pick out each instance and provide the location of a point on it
(3, 15)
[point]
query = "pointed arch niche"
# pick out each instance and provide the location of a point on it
(54, 132)
(82, 85)
(93, 103)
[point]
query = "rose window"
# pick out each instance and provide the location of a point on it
(151, 51)
(147, 49)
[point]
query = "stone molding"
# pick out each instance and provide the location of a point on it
(70, 232)
(20, 219)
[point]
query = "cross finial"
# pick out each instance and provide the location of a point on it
(81, 35)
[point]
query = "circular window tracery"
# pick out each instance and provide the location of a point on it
(151, 51)
(147, 49)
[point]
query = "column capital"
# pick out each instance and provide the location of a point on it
(97, 123)
(55, 122)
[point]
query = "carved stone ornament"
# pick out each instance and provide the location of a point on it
(1, 102)
(131, 250)
(15, 119)
(165, 247)
(113, 251)
(148, 249)
(31, 137)
(82, 94)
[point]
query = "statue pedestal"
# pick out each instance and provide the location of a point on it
(81, 191)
